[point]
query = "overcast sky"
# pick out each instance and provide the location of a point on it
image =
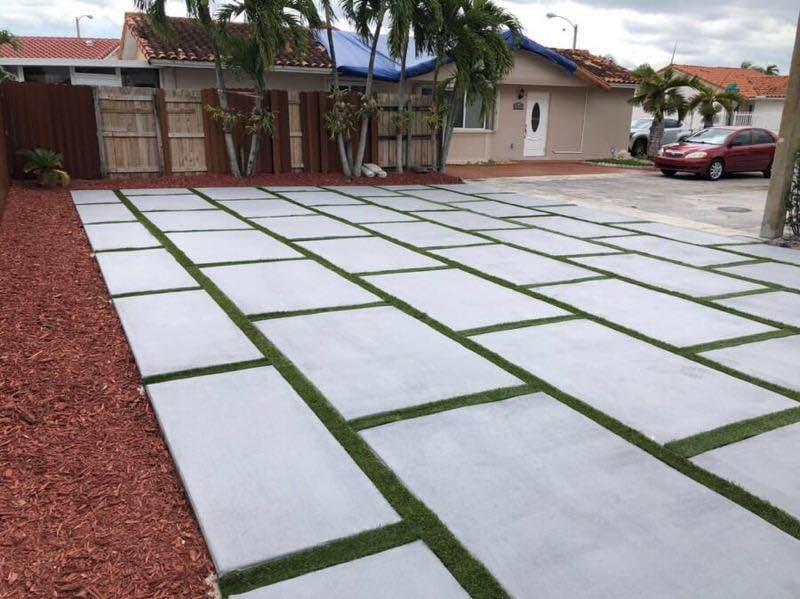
(707, 32)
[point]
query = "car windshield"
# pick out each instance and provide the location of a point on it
(713, 136)
(639, 123)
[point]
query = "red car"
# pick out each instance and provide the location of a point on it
(718, 150)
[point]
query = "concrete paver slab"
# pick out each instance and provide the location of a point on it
(103, 213)
(423, 234)
(461, 300)
(142, 270)
(265, 478)
(234, 193)
(515, 266)
(472, 188)
(521, 199)
(285, 286)
(767, 465)
(170, 332)
(442, 195)
(658, 315)
(94, 196)
(309, 227)
(571, 226)
(366, 214)
(170, 202)
(594, 215)
(319, 198)
(780, 306)
(771, 252)
(499, 209)
(204, 247)
(774, 360)
(282, 188)
(683, 234)
(470, 221)
(403, 572)
(668, 275)
(549, 500)
(787, 275)
(250, 208)
(408, 204)
(379, 359)
(661, 394)
(673, 250)
(117, 236)
(404, 187)
(193, 220)
(360, 191)
(154, 191)
(550, 243)
(368, 254)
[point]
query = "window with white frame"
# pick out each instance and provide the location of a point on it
(467, 114)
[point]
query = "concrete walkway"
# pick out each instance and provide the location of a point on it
(462, 390)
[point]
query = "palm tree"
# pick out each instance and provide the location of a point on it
(771, 69)
(658, 93)
(709, 102)
(402, 14)
(275, 24)
(7, 38)
(367, 18)
(330, 16)
(198, 9)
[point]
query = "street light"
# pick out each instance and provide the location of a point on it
(78, 23)
(552, 15)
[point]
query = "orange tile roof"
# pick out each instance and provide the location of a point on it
(750, 82)
(599, 66)
(87, 48)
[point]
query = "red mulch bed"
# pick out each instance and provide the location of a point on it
(90, 502)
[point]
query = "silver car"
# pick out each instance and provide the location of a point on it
(674, 130)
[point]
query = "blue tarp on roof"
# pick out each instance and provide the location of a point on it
(352, 56)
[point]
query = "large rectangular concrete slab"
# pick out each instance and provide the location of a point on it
(594, 215)
(779, 306)
(423, 234)
(310, 227)
(771, 252)
(366, 214)
(142, 270)
(470, 221)
(767, 465)
(658, 315)
(572, 226)
(264, 476)
(196, 220)
(555, 505)
(368, 254)
(290, 285)
(205, 247)
(786, 275)
(379, 359)
(515, 266)
(319, 198)
(403, 572)
(684, 234)
(678, 251)
(171, 332)
(776, 361)
(104, 213)
(661, 394)
(234, 193)
(170, 202)
(119, 236)
(546, 242)
(461, 300)
(94, 196)
(667, 275)
(250, 208)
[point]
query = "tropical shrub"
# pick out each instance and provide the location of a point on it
(47, 166)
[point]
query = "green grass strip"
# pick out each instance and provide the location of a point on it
(395, 271)
(242, 262)
(507, 326)
(723, 343)
(733, 294)
(733, 433)
(287, 313)
(567, 282)
(204, 370)
(302, 562)
(153, 292)
(113, 250)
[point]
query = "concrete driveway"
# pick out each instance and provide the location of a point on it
(735, 202)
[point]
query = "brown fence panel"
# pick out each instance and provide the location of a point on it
(5, 167)
(56, 117)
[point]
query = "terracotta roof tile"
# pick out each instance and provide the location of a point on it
(87, 48)
(750, 82)
(190, 43)
(599, 66)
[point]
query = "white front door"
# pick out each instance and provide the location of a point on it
(536, 123)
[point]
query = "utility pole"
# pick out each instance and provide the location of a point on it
(786, 152)
(78, 24)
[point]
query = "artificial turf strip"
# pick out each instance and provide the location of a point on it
(288, 313)
(714, 298)
(733, 433)
(519, 324)
(205, 370)
(332, 554)
(240, 262)
(567, 282)
(153, 292)
(733, 342)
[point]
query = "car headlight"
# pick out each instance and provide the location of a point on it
(693, 155)
(660, 151)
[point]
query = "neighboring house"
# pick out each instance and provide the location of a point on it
(763, 95)
(76, 61)
(553, 105)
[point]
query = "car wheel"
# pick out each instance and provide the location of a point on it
(715, 170)
(768, 172)
(640, 147)
(667, 173)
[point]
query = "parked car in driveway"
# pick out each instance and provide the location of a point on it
(674, 130)
(718, 150)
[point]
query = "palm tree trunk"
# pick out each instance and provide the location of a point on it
(656, 137)
(401, 104)
(255, 138)
(343, 158)
(362, 138)
(447, 135)
(435, 108)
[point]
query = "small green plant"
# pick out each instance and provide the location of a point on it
(47, 165)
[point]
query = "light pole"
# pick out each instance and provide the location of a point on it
(552, 15)
(78, 23)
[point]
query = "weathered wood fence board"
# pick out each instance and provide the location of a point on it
(55, 117)
(5, 167)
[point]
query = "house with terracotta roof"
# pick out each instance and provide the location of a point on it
(555, 104)
(73, 60)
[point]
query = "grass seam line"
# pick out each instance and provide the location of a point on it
(203, 371)
(153, 292)
(310, 311)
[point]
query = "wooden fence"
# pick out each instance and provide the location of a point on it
(5, 171)
(124, 132)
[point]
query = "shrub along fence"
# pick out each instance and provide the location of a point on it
(124, 131)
